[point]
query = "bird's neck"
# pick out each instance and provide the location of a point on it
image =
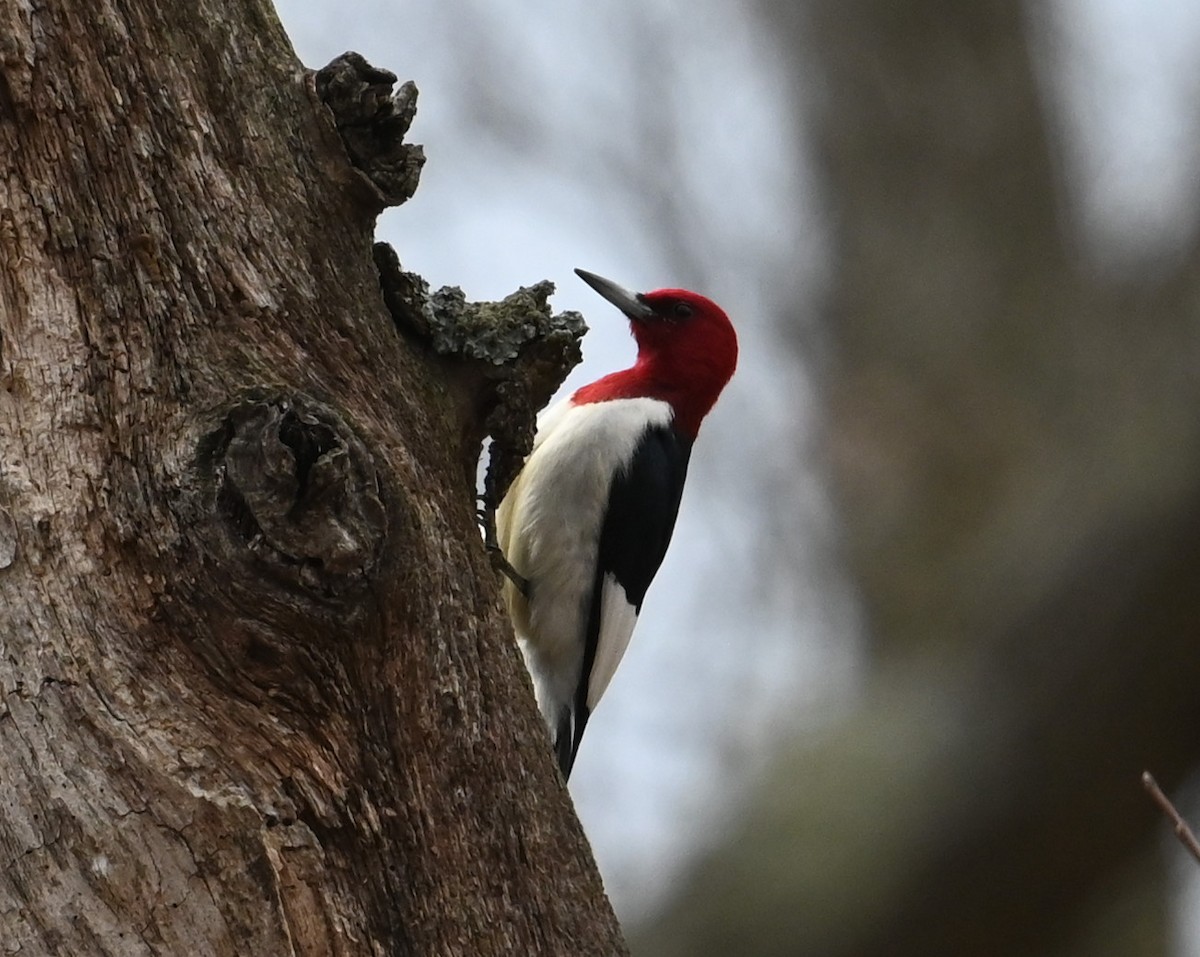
(690, 392)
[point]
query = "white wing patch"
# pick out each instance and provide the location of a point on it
(549, 528)
(617, 618)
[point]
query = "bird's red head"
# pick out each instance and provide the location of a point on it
(687, 351)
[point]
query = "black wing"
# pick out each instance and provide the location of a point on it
(642, 507)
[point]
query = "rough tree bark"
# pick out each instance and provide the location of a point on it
(258, 693)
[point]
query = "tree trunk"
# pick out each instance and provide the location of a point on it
(259, 693)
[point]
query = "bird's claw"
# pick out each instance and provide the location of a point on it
(486, 516)
(502, 565)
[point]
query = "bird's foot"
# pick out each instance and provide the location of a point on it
(502, 565)
(486, 516)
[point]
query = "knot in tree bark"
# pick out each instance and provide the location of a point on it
(300, 490)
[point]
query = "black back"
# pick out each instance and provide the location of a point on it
(642, 507)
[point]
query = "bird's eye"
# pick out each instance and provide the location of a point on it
(682, 310)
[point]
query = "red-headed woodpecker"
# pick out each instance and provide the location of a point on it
(587, 521)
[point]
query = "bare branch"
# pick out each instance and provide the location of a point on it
(1185, 834)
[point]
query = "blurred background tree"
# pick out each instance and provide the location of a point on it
(933, 605)
(1013, 443)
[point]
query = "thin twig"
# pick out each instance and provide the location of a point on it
(1182, 831)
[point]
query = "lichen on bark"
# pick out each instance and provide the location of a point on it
(517, 349)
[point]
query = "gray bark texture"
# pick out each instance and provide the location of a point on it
(258, 692)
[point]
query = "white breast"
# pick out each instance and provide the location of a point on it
(549, 529)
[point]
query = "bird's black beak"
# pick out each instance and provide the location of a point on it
(633, 304)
